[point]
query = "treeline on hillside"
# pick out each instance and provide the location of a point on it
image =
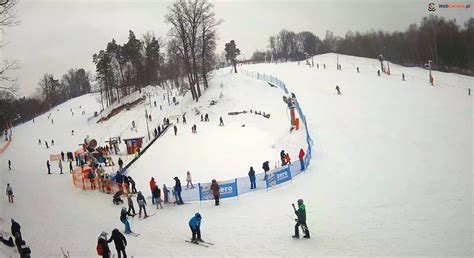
(50, 92)
(189, 55)
(448, 45)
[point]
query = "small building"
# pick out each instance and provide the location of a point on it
(133, 144)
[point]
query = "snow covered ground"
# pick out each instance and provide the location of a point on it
(391, 172)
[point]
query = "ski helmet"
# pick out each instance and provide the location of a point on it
(300, 201)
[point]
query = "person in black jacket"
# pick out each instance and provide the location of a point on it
(252, 178)
(141, 204)
(282, 157)
(120, 242)
(132, 182)
(16, 229)
(102, 241)
(177, 189)
(266, 168)
(120, 163)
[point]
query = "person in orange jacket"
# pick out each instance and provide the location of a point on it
(152, 186)
(301, 157)
(287, 158)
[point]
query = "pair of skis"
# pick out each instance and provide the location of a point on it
(201, 243)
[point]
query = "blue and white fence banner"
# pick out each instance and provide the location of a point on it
(278, 177)
(227, 189)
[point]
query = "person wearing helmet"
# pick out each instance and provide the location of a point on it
(195, 225)
(301, 220)
(124, 220)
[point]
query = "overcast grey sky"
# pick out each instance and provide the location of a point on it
(55, 36)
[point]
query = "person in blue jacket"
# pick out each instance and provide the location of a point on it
(195, 225)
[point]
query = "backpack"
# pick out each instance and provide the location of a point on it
(100, 250)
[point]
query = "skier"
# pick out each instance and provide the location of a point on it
(202, 118)
(120, 242)
(301, 157)
(132, 182)
(102, 246)
(206, 118)
(357, 69)
(177, 189)
(9, 165)
(62, 155)
(403, 77)
(378, 72)
(265, 168)
(287, 159)
(221, 122)
(124, 220)
(120, 163)
(155, 133)
(175, 129)
(215, 191)
(49, 167)
(70, 166)
(282, 157)
(10, 193)
(189, 180)
(338, 90)
(166, 193)
(195, 225)
(52, 142)
(47, 146)
(152, 186)
(184, 119)
(60, 165)
(39, 141)
(16, 229)
(301, 220)
(130, 204)
(252, 178)
(177, 120)
(141, 204)
(156, 195)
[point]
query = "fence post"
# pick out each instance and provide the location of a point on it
(199, 192)
(236, 189)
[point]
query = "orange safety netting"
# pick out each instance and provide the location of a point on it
(81, 181)
(54, 157)
(4, 148)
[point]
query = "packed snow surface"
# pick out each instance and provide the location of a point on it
(391, 172)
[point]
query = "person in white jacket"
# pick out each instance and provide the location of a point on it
(189, 180)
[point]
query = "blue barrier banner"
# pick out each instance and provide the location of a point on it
(278, 177)
(227, 190)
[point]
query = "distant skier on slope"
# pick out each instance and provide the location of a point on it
(124, 219)
(195, 225)
(49, 167)
(141, 204)
(301, 220)
(60, 165)
(338, 90)
(175, 130)
(221, 122)
(10, 193)
(9, 165)
(120, 242)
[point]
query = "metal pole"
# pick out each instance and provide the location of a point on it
(146, 118)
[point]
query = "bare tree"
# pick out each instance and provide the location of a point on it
(8, 18)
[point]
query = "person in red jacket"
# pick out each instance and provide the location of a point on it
(301, 157)
(287, 159)
(152, 186)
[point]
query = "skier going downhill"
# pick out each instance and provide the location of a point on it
(301, 220)
(195, 225)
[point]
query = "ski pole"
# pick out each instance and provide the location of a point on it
(302, 227)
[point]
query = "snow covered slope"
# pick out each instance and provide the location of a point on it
(391, 171)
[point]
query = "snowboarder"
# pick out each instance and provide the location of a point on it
(175, 129)
(141, 204)
(221, 122)
(49, 167)
(189, 180)
(166, 193)
(195, 225)
(184, 119)
(301, 220)
(10, 193)
(120, 242)
(177, 189)
(282, 157)
(152, 186)
(9, 165)
(60, 165)
(338, 90)
(252, 178)
(70, 166)
(156, 195)
(102, 246)
(266, 168)
(132, 182)
(215, 191)
(301, 157)
(124, 220)
(62, 155)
